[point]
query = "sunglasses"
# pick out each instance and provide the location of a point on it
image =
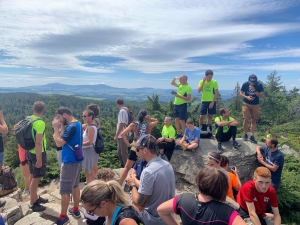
(139, 148)
(92, 212)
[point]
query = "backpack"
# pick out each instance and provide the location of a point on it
(130, 116)
(8, 182)
(128, 212)
(99, 143)
(204, 133)
(23, 133)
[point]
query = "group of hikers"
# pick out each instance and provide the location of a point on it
(146, 168)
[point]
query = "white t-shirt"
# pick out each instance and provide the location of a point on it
(122, 118)
(85, 136)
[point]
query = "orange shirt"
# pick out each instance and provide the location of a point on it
(233, 182)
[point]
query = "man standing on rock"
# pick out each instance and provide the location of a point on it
(37, 158)
(272, 158)
(182, 96)
(226, 129)
(71, 165)
(251, 91)
(157, 182)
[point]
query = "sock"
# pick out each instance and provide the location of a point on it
(75, 209)
(62, 217)
(30, 206)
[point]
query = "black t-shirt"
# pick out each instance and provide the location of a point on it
(248, 92)
(194, 212)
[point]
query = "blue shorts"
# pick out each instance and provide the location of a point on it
(180, 111)
(1, 158)
(206, 110)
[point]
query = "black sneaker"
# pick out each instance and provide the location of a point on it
(245, 138)
(220, 149)
(41, 200)
(36, 207)
(236, 144)
(252, 139)
(178, 136)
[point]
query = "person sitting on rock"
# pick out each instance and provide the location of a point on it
(207, 207)
(225, 129)
(214, 160)
(254, 197)
(234, 180)
(191, 137)
(166, 143)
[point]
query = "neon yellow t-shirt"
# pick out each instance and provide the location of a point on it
(208, 90)
(38, 127)
(183, 90)
(225, 128)
(168, 132)
(268, 135)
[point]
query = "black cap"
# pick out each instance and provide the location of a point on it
(146, 140)
(252, 79)
(209, 72)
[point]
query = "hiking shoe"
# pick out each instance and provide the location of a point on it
(252, 139)
(36, 207)
(178, 136)
(220, 149)
(75, 214)
(25, 193)
(41, 200)
(2, 203)
(63, 222)
(245, 138)
(236, 144)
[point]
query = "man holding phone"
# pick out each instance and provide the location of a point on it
(251, 92)
(182, 96)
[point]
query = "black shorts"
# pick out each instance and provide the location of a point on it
(206, 110)
(37, 172)
(132, 155)
(180, 111)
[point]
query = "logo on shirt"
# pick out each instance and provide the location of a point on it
(266, 199)
(255, 199)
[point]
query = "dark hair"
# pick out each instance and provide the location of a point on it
(62, 110)
(215, 156)
(209, 72)
(90, 113)
(274, 141)
(39, 106)
(224, 161)
(190, 121)
(95, 108)
(212, 182)
(120, 101)
(142, 114)
(222, 111)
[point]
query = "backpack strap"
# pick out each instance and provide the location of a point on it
(32, 120)
(128, 212)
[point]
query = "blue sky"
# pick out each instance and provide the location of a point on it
(146, 43)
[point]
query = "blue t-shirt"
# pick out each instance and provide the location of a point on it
(72, 136)
(138, 167)
(274, 158)
(191, 135)
(248, 92)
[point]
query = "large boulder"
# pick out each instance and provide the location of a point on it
(11, 211)
(187, 164)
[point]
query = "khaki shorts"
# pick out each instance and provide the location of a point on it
(250, 111)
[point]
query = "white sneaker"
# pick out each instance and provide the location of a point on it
(208, 128)
(25, 193)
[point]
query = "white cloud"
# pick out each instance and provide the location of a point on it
(284, 53)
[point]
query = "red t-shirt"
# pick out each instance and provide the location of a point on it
(248, 193)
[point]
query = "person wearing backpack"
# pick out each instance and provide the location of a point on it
(89, 138)
(144, 125)
(37, 157)
(205, 208)
(226, 128)
(107, 199)
(3, 130)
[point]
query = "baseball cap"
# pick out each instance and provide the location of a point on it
(146, 140)
(252, 79)
(209, 72)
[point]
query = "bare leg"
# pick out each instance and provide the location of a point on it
(95, 170)
(124, 173)
(201, 119)
(33, 189)
(89, 176)
(76, 196)
(177, 125)
(209, 119)
(65, 201)
(192, 146)
(182, 122)
(26, 175)
(253, 127)
(245, 124)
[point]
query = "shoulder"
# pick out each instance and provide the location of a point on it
(217, 118)
(245, 84)
(197, 129)
(231, 118)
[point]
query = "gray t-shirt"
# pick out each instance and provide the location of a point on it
(158, 182)
(122, 118)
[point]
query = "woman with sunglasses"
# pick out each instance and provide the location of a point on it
(89, 138)
(107, 199)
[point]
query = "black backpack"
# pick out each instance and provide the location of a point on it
(99, 144)
(128, 212)
(204, 133)
(23, 133)
(8, 182)
(130, 116)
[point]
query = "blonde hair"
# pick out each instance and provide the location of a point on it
(97, 191)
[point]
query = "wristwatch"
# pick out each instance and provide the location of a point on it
(133, 187)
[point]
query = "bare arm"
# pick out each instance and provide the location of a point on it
(236, 174)
(259, 94)
(139, 200)
(90, 140)
(257, 148)
(128, 221)
(120, 128)
(216, 95)
(227, 123)
(252, 213)
(273, 168)
(38, 146)
(3, 125)
(200, 88)
(152, 124)
(128, 129)
(277, 217)
(174, 82)
(165, 211)
(57, 139)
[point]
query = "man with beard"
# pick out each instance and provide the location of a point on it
(71, 166)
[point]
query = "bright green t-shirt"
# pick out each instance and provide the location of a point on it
(268, 135)
(225, 128)
(183, 90)
(168, 132)
(208, 90)
(38, 127)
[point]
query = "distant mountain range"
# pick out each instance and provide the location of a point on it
(102, 91)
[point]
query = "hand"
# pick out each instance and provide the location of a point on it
(252, 87)
(147, 117)
(204, 78)
(234, 171)
(260, 159)
(211, 105)
(115, 138)
(130, 180)
(56, 123)
(177, 77)
(1, 115)
(159, 140)
(38, 164)
(250, 98)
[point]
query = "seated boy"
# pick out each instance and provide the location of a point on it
(191, 137)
